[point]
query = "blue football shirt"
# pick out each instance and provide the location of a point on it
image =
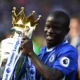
(63, 57)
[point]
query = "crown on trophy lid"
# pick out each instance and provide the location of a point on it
(20, 20)
(22, 24)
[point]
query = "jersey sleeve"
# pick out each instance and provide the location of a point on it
(67, 62)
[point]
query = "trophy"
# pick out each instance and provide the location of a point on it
(22, 25)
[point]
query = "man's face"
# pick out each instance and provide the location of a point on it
(54, 32)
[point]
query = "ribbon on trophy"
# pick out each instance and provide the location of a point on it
(22, 25)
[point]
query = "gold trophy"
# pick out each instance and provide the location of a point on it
(22, 25)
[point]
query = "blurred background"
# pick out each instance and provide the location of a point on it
(42, 7)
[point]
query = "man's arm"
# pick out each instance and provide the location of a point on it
(47, 72)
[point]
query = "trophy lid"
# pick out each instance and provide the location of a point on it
(24, 23)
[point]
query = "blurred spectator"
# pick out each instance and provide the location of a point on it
(74, 37)
(74, 34)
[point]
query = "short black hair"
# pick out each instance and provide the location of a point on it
(62, 18)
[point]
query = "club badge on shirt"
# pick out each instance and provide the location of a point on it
(51, 59)
(64, 61)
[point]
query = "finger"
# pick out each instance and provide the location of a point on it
(24, 43)
(25, 38)
(20, 48)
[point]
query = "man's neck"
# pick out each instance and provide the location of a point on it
(50, 49)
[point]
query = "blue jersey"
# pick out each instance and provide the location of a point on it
(63, 57)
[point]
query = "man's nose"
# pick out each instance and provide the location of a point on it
(49, 31)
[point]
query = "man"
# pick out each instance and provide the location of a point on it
(55, 61)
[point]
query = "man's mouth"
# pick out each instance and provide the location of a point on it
(50, 37)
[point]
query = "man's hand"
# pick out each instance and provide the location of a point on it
(26, 46)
